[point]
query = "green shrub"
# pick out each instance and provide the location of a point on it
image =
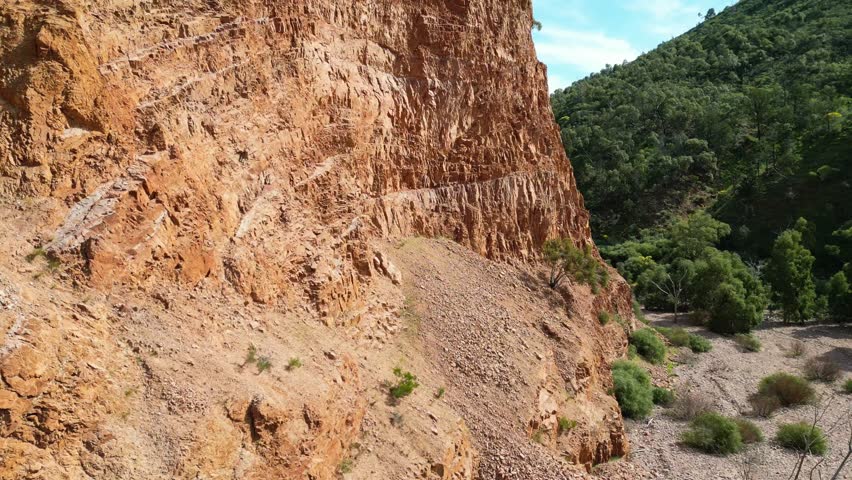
(631, 352)
(802, 437)
(440, 393)
(788, 389)
(294, 363)
(823, 370)
(713, 433)
(747, 342)
(345, 466)
(566, 425)
(604, 317)
(649, 345)
(847, 386)
(566, 260)
(406, 383)
(632, 388)
(749, 432)
(637, 311)
(663, 396)
(677, 336)
(699, 344)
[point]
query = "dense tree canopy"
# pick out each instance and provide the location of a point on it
(747, 114)
(722, 160)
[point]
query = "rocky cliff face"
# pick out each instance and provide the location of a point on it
(237, 158)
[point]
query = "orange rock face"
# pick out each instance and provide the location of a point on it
(261, 143)
(197, 158)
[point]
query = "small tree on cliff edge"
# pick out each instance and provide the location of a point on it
(790, 275)
(567, 260)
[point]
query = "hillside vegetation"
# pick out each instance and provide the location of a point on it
(746, 118)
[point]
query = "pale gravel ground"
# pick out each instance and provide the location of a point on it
(728, 375)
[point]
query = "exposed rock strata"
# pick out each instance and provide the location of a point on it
(201, 174)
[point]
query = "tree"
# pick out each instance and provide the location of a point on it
(692, 235)
(671, 281)
(728, 291)
(710, 14)
(566, 260)
(789, 274)
(839, 297)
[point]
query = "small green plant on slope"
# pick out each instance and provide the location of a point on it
(699, 344)
(440, 393)
(663, 397)
(251, 355)
(566, 425)
(847, 386)
(649, 345)
(405, 384)
(748, 342)
(345, 465)
(632, 388)
(713, 433)
(604, 317)
(566, 260)
(294, 363)
(789, 389)
(264, 363)
(802, 437)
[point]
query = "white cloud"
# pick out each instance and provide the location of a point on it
(666, 17)
(587, 51)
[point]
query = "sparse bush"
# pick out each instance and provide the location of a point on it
(264, 363)
(566, 425)
(604, 317)
(802, 437)
(251, 355)
(345, 466)
(294, 363)
(580, 264)
(649, 345)
(764, 405)
(789, 389)
(713, 433)
(688, 405)
(406, 383)
(699, 344)
(847, 386)
(749, 432)
(797, 349)
(823, 370)
(632, 353)
(677, 336)
(440, 393)
(663, 397)
(748, 342)
(632, 388)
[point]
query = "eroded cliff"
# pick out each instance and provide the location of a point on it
(183, 179)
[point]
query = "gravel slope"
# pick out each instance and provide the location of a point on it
(728, 375)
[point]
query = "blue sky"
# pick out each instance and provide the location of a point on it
(579, 37)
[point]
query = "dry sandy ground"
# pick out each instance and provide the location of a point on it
(728, 375)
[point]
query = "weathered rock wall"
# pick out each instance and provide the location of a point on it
(262, 142)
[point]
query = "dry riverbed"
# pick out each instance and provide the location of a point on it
(728, 375)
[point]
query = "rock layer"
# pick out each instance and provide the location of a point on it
(193, 139)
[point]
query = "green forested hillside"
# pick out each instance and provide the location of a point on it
(748, 113)
(746, 116)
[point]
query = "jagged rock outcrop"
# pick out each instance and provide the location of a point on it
(214, 172)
